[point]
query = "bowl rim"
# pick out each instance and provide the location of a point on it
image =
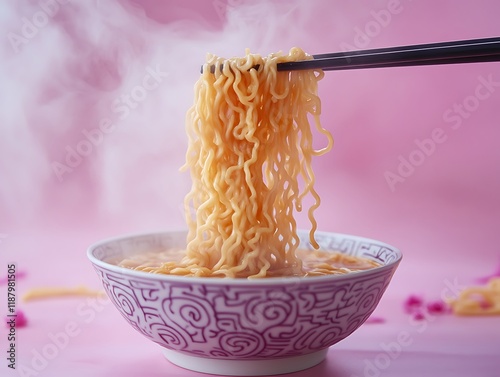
(237, 281)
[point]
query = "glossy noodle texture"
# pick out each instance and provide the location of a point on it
(250, 149)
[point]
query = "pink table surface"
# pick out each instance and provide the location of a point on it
(101, 343)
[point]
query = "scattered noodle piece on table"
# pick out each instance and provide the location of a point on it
(483, 300)
(49, 292)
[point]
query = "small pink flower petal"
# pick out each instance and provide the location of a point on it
(375, 320)
(437, 307)
(413, 303)
(19, 275)
(20, 319)
(485, 305)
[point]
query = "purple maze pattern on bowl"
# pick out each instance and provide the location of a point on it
(225, 321)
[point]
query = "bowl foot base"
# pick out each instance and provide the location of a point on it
(246, 367)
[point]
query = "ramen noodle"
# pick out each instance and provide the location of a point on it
(478, 300)
(48, 292)
(250, 149)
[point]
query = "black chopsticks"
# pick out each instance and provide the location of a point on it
(455, 52)
(468, 51)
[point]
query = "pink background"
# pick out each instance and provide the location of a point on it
(68, 68)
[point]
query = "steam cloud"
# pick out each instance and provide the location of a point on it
(94, 95)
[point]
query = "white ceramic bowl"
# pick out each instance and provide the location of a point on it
(244, 327)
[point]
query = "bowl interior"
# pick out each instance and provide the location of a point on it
(108, 253)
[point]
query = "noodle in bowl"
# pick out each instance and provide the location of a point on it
(232, 326)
